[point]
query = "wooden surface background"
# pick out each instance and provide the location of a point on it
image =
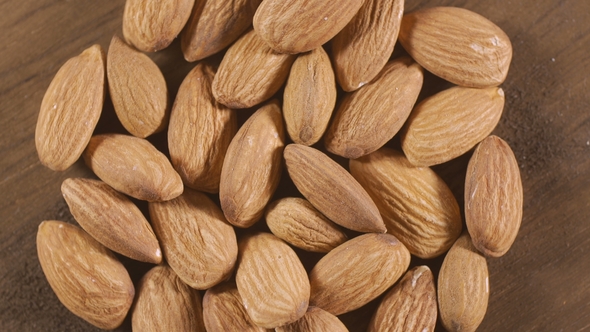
(542, 284)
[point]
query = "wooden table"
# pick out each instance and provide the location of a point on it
(542, 284)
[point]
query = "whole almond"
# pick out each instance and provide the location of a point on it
(450, 123)
(70, 109)
(197, 241)
(133, 166)
(138, 90)
(271, 280)
(310, 96)
(463, 287)
(214, 25)
(416, 204)
(298, 223)
(200, 131)
(363, 47)
(250, 72)
(332, 190)
(457, 45)
(370, 117)
(303, 25)
(356, 272)
(112, 219)
(408, 306)
(165, 303)
(315, 320)
(223, 310)
(252, 167)
(86, 277)
(493, 197)
(151, 26)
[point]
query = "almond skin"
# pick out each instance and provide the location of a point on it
(457, 45)
(346, 202)
(315, 320)
(409, 306)
(197, 241)
(165, 303)
(133, 166)
(138, 90)
(363, 47)
(450, 123)
(112, 219)
(370, 117)
(86, 277)
(493, 197)
(250, 72)
(303, 25)
(70, 109)
(356, 272)
(416, 204)
(271, 280)
(200, 131)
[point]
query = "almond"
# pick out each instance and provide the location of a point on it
(86, 277)
(457, 45)
(332, 190)
(252, 167)
(298, 223)
(315, 320)
(303, 25)
(165, 303)
(408, 306)
(138, 90)
(133, 166)
(450, 123)
(70, 109)
(271, 280)
(197, 241)
(200, 131)
(250, 72)
(463, 287)
(357, 271)
(493, 197)
(416, 204)
(112, 219)
(310, 96)
(370, 117)
(363, 47)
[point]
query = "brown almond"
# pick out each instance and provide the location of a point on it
(297, 222)
(70, 109)
(112, 219)
(250, 72)
(214, 25)
(165, 303)
(450, 123)
(463, 287)
(332, 190)
(138, 90)
(310, 96)
(493, 197)
(315, 320)
(303, 25)
(408, 306)
(271, 280)
(416, 204)
(457, 45)
(151, 26)
(252, 167)
(197, 241)
(370, 117)
(133, 166)
(363, 47)
(200, 131)
(356, 272)
(86, 277)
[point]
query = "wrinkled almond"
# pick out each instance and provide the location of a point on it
(315, 320)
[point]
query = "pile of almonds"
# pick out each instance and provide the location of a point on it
(391, 203)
